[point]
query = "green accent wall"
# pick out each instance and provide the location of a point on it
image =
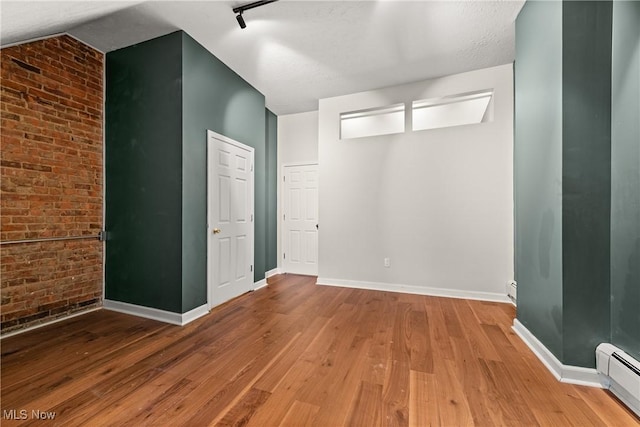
(586, 178)
(143, 170)
(216, 98)
(625, 176)
(538, 171)
(563, 175)
(162, 97)
(271, 137)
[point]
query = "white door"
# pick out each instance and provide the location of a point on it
(229, 218)
(300, 220)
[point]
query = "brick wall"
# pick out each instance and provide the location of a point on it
(51, 179)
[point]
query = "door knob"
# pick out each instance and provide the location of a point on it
(216, 230)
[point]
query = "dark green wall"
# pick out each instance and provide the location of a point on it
(216, 98)
(272, 186)
(143, 169)
(162, 97)
(570, 314)
(538, 171)
(586, 178)
(625, 165)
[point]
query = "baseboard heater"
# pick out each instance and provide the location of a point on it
(620, 373)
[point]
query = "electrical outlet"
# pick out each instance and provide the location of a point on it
(512, 289)
(387, 262)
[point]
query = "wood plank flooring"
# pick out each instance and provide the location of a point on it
(296, 354)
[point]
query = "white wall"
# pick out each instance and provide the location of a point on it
(297, 144)
(438, 203)
(298, 138)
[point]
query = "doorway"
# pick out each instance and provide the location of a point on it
(230, 223)
(300, 219)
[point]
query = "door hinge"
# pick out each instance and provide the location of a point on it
(252, 168)
(252, 268)
(284, 217)
(251, 217)
(284, 179)
(284, 256)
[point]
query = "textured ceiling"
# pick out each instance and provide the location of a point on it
(25, 20)
(296, 52)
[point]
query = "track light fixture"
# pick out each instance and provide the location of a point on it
(241, 21)
(253, 5)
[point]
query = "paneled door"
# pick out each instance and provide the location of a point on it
(300, 219)
(230, 229)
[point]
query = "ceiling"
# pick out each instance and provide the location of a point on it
(295, 52)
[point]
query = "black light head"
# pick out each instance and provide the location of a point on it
(242, 8)
(241, 21)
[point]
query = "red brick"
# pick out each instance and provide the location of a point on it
(51, 171)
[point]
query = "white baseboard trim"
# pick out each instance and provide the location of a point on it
(273, 272)
(50, 322)
(410, 289)
(156, 314)
(260, 284)
(563, 373)
(194, 314)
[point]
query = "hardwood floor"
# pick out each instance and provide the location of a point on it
(296, 354)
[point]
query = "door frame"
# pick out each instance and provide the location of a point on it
(211, 171)
(282, 204)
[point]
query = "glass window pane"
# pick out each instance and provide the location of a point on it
(372, 122)
(451, 111)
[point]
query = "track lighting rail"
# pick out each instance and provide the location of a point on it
(240, 9)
